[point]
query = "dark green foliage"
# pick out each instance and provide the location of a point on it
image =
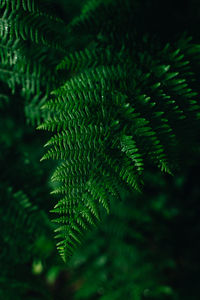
(23, 226)
(104, 265)
(26, 231)
(124, 106)
(115, 99)
(164, 226)
(30, 49)
(24, 219)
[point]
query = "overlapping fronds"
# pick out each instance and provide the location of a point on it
(112, 119)
(26, 20)
(32, 41)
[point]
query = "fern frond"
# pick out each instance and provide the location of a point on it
(112, 121)
(30, 48)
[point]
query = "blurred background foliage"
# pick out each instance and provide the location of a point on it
(148, 248)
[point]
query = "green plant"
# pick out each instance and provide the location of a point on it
(118, 102)
(122, 109)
